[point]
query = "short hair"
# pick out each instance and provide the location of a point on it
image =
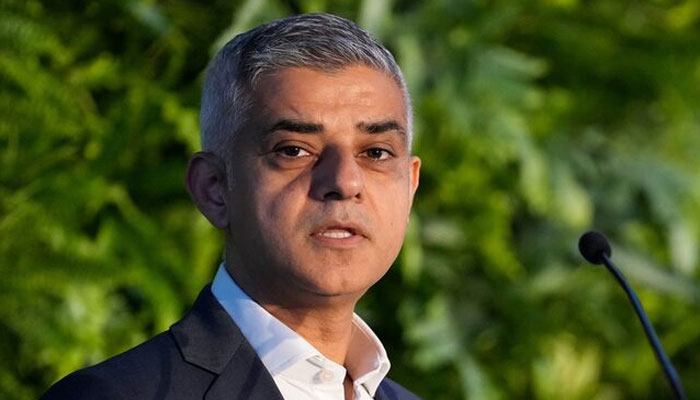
(321, 41)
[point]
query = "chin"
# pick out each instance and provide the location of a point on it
(336, 283)
(348, 286)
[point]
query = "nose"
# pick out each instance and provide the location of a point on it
(336, 176)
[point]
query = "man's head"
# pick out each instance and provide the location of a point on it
(306, 163)
(319, 41)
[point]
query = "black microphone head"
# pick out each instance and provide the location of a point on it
(593, 245)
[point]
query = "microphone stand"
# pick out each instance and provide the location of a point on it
(671, 374)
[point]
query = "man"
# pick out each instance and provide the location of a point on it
(306, 166)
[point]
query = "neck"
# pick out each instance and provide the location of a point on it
(328, 330)
(325, 321)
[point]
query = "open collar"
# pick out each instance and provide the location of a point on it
(208, 338)
(286, 354)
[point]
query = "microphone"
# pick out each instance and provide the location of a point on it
(594, 247)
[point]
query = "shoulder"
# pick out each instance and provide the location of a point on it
(390, 390)
(83, 384)
(144, 371)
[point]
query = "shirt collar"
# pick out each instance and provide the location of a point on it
(284, 352)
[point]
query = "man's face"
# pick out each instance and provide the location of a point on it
(323, 182)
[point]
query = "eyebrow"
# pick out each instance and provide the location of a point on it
(297, 126)
(381, 127)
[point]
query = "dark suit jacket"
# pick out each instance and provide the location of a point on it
(203, 356)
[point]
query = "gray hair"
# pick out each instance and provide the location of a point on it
(322, 41)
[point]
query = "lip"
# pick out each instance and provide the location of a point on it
(357, 234)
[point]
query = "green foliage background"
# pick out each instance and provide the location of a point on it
(535, 121)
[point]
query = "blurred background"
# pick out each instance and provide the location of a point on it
(536, 121)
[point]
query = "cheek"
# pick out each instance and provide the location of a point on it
(392, 207)
(392, 196)
(279, 203)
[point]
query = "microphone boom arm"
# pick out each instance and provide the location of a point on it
(659, 352)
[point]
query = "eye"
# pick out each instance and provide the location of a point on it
(292, 152)
(377, 154)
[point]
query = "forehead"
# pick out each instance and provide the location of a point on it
(355, 92)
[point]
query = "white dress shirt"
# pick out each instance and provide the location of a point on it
(300, 371)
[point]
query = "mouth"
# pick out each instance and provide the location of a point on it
(339, 234)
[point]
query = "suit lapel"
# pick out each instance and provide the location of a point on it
(380, 394)
(208, 337)
(245, 377)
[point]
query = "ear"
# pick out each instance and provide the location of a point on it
(206, 184)
(415, 175)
